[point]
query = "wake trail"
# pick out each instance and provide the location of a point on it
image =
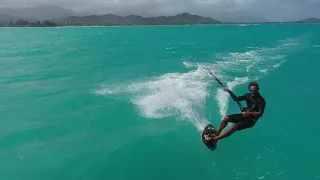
(183, 95)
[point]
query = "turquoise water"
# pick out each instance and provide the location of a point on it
(130, 102)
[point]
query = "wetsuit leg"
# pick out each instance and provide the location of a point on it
(246, 123)
(241, 122)
(236, 118)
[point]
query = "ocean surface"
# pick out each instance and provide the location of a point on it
(112, 103)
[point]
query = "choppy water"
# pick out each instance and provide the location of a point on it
(130, 102)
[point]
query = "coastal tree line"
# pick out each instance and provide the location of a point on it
(26, 23)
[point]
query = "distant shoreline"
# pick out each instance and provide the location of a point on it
(238, 24)
(111, 20)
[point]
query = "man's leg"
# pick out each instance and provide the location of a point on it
(227, 133)
(234, 118)
(244, 124)
(223, 125)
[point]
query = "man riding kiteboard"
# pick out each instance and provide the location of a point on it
(247, 118)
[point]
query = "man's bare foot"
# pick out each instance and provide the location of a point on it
(207, 137)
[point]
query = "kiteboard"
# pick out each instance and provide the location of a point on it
(209, 130)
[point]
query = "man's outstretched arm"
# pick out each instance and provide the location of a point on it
(234, 97)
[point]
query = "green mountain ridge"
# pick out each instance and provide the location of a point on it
(179, 19)
(131, 20)
(114, 20)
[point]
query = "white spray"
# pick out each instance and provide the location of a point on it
(183, 95)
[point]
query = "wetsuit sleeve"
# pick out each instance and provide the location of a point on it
(242, 98)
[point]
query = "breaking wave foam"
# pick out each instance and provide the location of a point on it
(183, 95)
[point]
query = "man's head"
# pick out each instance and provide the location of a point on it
(253, 88)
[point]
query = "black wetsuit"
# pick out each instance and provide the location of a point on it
(254, 104)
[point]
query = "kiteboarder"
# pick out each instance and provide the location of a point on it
(249, 116)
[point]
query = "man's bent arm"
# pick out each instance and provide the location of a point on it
(234, 97)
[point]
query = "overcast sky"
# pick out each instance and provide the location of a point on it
(269, 9)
